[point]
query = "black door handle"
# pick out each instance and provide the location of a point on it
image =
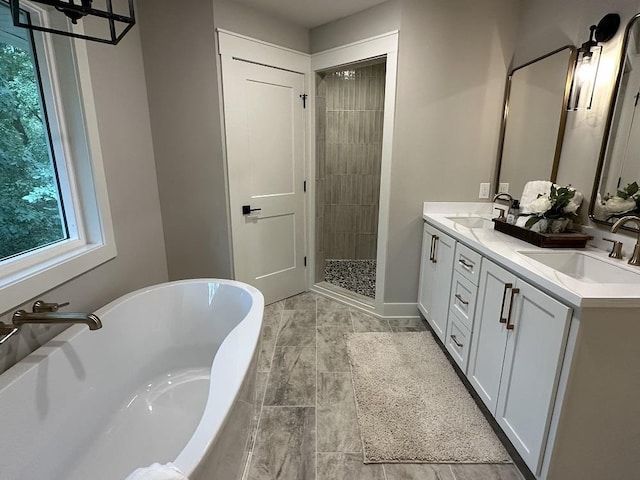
(246, 209)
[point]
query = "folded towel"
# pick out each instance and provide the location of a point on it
(531, 191)
(158, 472)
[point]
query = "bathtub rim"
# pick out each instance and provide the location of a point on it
(23, 365)
(186, 459)
(206, 433)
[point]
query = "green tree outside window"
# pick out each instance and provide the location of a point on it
(31, 214)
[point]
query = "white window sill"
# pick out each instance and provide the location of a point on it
(31, 282)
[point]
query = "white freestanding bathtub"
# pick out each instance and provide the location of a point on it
(169, 378)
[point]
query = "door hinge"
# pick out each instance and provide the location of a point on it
(304, 96)
(304, 186)
(305, 261)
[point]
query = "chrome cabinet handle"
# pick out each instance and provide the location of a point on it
(466, 265)
(433, 238)
(435, 248)
(507, 286)
(462, 300)
(455, 340)
(514, 292)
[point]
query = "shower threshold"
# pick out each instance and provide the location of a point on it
(358, 276)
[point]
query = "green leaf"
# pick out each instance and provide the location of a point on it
(532, 221)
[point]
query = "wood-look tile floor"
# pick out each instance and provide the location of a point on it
(308, 429)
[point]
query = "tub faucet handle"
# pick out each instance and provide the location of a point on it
(616, 249)
(40, 306)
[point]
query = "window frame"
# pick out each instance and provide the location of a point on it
(80, 173)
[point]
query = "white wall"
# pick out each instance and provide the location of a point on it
(123, 119)
(376, 20)
(180, 62)
(242, 19)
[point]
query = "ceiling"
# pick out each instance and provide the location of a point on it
(310, 13)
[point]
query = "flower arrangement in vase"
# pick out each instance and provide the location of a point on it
(554, 211)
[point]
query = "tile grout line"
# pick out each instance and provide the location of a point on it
(264, 394)
(384, 472)
(452, 472)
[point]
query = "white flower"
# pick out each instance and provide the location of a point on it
(619, 205)
(540, 205)
(571, 207)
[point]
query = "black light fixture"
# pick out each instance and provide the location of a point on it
(588, 60)
(115, 25)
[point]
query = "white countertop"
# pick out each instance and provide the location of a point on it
(504, 250)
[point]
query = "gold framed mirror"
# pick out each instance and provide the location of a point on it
(615, 188)
(534, 120)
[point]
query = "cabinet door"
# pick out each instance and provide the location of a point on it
(443, 253)
(489, 337)
(427, 270)
(435, 278)
(534, 353)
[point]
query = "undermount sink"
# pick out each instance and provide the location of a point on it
(472, 222)
(584, 267)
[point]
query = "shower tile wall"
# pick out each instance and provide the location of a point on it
(349, 116)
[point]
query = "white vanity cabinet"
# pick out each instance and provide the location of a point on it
(516, 354)
(553, 357)
(462, 304)
(436, 269)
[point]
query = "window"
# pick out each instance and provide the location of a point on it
(50, 230)
(32, 214)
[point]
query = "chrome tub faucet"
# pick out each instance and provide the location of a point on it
(46, 313)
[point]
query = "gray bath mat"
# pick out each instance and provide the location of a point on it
(412, 407)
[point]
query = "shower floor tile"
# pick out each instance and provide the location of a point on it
(357, 276)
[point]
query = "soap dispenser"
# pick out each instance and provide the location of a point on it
(514, 211)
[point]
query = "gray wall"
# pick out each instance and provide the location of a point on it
(238, 18)
(123, 119)
(182, 83)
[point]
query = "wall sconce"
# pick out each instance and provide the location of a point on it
(587, 61)
(115, 25)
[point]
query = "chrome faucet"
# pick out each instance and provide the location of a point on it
(635, 257)
(503, 196)
(46, 313)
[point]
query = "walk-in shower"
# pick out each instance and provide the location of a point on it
(349, 121)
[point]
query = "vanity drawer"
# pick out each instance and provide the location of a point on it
(467, 262)
(463, 299)
(458, 341)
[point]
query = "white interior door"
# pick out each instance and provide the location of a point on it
(265, 133)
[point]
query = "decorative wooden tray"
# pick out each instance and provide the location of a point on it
(566, 239)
